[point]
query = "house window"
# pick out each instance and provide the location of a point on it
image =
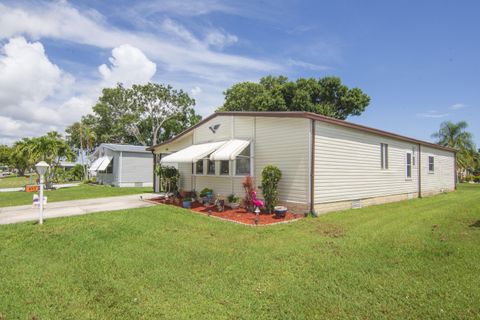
(210, 167)
(384, 155)
(199, 167)
(409, 165)
(109, 168)
(431, 164)
(242, 162)
(224, 167)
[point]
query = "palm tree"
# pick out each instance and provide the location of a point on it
(454, 135)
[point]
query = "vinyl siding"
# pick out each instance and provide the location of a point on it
(348, 165)
(284, 142)
(108, 178)
(274, 142)
(135, 168)
(243, 127)
(443, 177)
(203, 133)
(185, 170)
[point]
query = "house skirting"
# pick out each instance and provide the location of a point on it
(360, 203)
(134, 184)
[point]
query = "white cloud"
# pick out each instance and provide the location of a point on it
(196, 91)
(27, 78)
(307, 65)
(184, 7)
(36, 96)
(457, 106)
(60, 20)
(43, 97)
(219, 38)
(432, 114)
(128, 65)
(26, 74)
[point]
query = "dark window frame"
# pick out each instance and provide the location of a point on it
(431, 164)
(384, 156)
(246, 157)
(210, 165)
(222, 163)
(202, 166)
(408, 165)
(109, 168)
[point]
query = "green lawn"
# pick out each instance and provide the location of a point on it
(14, 181)
(74, 193)
(417, 259)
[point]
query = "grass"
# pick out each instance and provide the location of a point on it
(74, 193)
(14, 181)
(417, 259)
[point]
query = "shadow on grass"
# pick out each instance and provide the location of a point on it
(476, 224)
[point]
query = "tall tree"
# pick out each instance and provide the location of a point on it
(325, 96)
(5, 152)
(20, 156)
(81, 137)
(455, 135)
(156, 104)
(144, 114)
(51, 148)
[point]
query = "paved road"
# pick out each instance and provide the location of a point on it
(58, 186)
(72, 208)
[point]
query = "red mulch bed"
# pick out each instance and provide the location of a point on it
(238, 215)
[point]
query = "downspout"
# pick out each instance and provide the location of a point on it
(419, 171)
(455, 179)
(154, 168)
(312, 167)
(120, 159)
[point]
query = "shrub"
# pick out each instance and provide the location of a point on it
(249, 187)
(205, 192)
(233, 198)
(169, 177)
(476, 179)
(271, 176)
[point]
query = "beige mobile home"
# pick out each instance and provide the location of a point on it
(327, 164)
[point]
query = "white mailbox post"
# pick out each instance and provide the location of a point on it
(42, 168)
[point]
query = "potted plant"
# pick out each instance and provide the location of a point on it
(187, 203)
(233, 201)
(280, 211)
(206, 195)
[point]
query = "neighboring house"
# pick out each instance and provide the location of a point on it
(327, 164)
(67, 165)
(122, 165)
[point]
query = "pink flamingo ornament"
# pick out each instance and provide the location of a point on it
(257, 203)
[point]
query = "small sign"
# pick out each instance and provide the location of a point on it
(36, 200)
(32, 188)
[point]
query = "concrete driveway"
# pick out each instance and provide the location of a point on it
(73, 208)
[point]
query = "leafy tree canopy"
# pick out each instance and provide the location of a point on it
(144, 114)
(51, 148)
(455, 135)
(5, 152)
(325, 96)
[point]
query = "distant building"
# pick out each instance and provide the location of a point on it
(122, 165)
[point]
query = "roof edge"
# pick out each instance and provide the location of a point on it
(306, 115)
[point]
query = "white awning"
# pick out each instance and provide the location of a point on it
(94, 166)
(105, 163)
(230, 150)
(193, 153)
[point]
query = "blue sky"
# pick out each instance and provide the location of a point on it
(418, 60)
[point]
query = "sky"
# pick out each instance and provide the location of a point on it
(417, 60)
